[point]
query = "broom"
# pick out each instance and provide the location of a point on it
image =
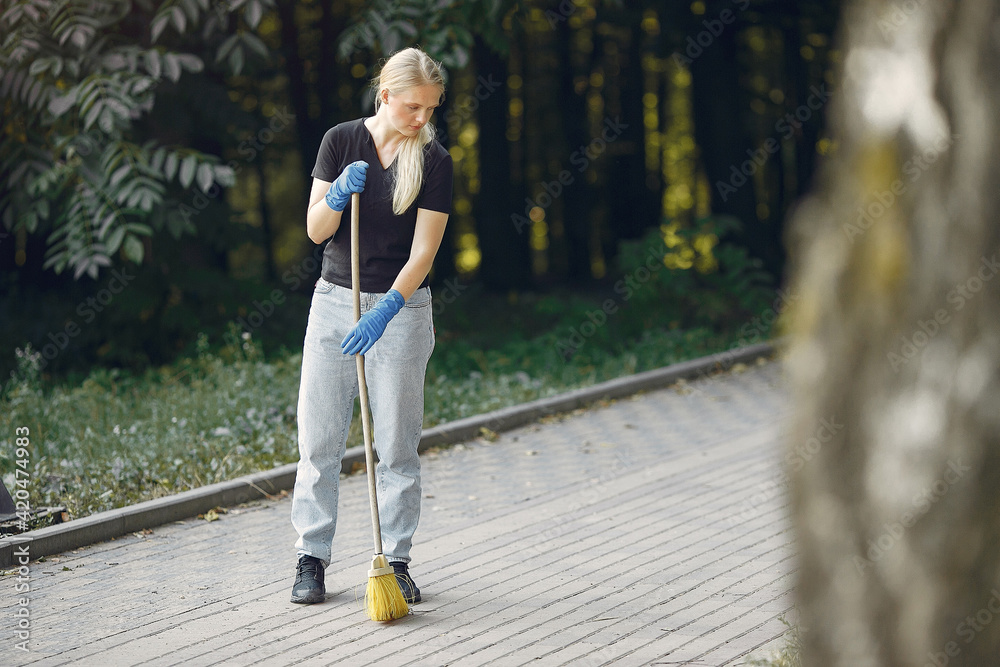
(384, 599)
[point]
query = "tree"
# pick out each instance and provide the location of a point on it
(506, 259)
(577, 198)
(451, 32)
(719, 101)
(635, 191)
(75, 79)
(895, 360)
(445, 29)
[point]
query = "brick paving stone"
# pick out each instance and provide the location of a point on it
(649, 530)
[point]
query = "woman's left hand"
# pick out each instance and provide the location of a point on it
(372, 324)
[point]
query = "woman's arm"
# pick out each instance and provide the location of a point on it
(322, 222)
(426, 240)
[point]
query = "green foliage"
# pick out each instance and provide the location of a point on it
(117, 438)
(29, 374)
(442, 28)
(154, 319)
(553, 343)
(75, 79)
(788, 655)
(708, 283)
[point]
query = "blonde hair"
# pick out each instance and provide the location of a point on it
(409, 68)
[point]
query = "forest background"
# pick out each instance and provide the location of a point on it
(623, 176)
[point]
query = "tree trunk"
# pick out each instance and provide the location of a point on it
(506, 263)
(309, 133)
(798, 92)
(719, 107)
(266, 231)
(331, 26)
(634, 191)
(895, 357)
(577, 196)
(444, 261)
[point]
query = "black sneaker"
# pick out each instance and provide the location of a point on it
(309, 587)
(410, 591)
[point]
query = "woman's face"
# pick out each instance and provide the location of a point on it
(411, 109)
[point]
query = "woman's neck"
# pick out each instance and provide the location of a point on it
(382, 131)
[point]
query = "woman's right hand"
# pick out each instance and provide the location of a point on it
(351, 180)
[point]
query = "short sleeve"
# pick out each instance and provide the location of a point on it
(436, 195)
(328, 159)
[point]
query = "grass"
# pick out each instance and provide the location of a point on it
(789, 654)
(116, 438)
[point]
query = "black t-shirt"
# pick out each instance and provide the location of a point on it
(386, 238)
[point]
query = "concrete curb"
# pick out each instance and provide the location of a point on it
(114, 523)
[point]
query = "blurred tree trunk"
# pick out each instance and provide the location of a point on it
(895, 356)
(506, 262)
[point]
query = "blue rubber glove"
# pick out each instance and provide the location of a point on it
(352, 179)
(372, 324)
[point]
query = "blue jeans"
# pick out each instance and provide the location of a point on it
(394, 371)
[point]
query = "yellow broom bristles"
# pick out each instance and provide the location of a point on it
(384, 599)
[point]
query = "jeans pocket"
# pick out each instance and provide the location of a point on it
(420, 299)
(323, 287)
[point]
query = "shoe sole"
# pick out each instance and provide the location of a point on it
(308, 599)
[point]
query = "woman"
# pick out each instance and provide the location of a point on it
(406, 177)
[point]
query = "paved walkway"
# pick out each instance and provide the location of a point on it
(645, 532)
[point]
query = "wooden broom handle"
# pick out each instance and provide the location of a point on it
(366, 426)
